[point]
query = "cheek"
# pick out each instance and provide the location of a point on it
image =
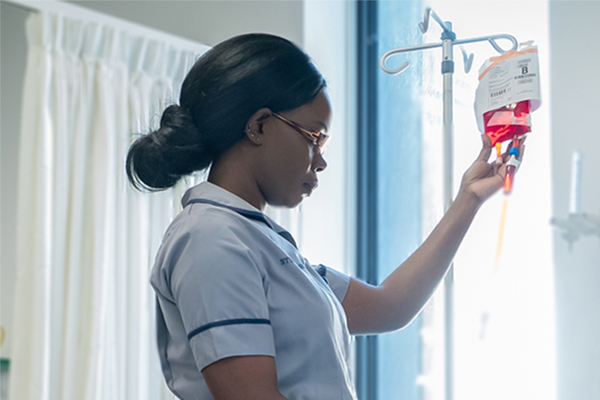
(293, 159)
(290, 169)
(285, 171)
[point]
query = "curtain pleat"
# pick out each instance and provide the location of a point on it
(84, 310)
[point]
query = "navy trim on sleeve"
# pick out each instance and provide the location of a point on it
(228, 322)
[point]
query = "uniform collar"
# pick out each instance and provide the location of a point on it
(209, 193)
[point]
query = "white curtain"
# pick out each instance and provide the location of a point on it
(84, 311)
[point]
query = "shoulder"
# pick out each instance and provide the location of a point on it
(206, 240)
(205, 224)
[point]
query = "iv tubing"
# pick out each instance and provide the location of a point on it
(500, 235)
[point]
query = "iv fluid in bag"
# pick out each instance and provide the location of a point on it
(508, 122)
(507, 93)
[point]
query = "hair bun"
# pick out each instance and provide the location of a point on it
(158, 160)
(176, 116)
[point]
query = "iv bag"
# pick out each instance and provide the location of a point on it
(508, 91)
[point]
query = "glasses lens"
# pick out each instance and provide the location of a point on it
(319, 139)
(323, 142)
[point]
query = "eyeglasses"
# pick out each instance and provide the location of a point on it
(319, 139)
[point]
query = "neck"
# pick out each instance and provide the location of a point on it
(232, 173)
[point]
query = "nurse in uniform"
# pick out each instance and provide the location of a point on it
(240, 313)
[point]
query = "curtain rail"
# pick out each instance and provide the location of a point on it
(82, 13)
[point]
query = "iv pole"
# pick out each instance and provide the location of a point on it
(448, 41)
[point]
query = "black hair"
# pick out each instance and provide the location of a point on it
(223, 89)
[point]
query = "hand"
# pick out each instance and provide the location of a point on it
(483, 179)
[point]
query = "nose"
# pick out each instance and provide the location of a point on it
(319, 163)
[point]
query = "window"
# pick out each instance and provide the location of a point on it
(503, 330)
(389, 181)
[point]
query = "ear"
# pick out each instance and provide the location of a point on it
(254, 128)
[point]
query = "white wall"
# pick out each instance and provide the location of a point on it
(575, 85)
(210, 22)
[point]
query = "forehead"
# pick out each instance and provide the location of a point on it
(318, 111)
(321, 105)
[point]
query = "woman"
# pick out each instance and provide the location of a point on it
(241, 314)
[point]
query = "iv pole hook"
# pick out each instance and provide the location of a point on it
(447, 28)
(424, 26)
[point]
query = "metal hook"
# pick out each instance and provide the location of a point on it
(424, 26)
(468, 60)
(448, 34)
(405, 65)
(394, 71)
(492, 39)
(447, 27)
(500, 49)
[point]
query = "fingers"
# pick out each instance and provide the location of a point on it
(505, 155)
(523, 139)
(521, 147)
(486, 151)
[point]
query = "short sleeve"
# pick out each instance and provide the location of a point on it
(337, 281)
(219, 291)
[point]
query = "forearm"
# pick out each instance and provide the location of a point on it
(410, 286)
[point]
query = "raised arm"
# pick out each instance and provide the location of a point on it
(398, 300)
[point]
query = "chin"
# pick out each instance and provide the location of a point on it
(288, 201)
(296, 204)
(293, 203)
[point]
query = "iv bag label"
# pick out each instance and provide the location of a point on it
(507, 79)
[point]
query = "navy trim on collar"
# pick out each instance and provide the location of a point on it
(253, 215)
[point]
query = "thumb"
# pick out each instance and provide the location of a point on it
(486, 151)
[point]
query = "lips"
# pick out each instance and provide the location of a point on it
(310, 186)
